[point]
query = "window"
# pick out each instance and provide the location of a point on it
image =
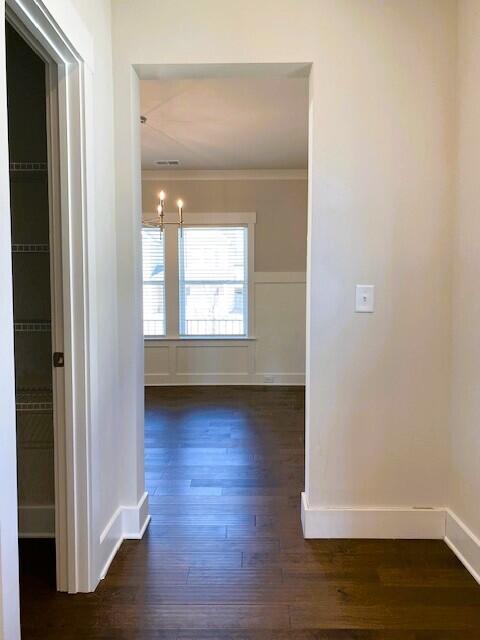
(213, 287)
(200, 275)
(153, 282)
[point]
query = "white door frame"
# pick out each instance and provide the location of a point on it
(70, 108)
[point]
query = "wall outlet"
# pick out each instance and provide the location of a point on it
(268, 379)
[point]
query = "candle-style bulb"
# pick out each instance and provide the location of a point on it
(180, 204)
(161, 195)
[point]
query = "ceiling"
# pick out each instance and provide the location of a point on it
(225, 123)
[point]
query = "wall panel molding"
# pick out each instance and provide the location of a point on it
(276, 379)
(275, 356)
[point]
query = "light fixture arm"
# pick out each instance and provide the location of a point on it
(159, 222)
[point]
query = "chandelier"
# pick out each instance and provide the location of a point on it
(159, 221)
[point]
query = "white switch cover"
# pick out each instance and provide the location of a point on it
(365, 298)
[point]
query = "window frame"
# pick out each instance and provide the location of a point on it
(172, 281)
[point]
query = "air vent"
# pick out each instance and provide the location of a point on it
(167, 163)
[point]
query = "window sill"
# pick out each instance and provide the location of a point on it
(150, 340)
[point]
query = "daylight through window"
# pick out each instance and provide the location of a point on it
(153, 282)
(213, 288)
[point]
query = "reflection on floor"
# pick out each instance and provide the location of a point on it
(224, 558)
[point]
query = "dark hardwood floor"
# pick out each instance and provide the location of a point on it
(224, 557)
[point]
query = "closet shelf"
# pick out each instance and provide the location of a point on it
(32, 247)
(34, 400)
(23, 167)
(32, 326)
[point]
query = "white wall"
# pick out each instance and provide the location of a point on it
(87, 24)
(9, 595)
(464, 496)
(106, 495)
(279, 200)
(381, 173)
(381, 200)
(118, 504)
(276, 353)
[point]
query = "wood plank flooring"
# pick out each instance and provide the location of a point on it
(224, 557)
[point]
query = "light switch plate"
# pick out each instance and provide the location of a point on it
(365, 298)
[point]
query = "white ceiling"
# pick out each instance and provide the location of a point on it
(225, 123)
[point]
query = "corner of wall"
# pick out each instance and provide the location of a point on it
(127, 523)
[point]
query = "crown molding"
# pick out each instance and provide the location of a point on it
(240, 174)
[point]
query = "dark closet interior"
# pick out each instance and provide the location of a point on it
(32, 296)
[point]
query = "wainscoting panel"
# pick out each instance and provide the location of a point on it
(280, 324)
(157, 359)
(212, 359)
(275, 354)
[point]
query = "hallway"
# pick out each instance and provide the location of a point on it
(224, 557)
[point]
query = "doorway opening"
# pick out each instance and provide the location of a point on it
(46, 144)
(224, 238)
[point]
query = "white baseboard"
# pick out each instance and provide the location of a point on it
(402, 523)
(439, 523)
(135, 519)
(36, 521)
(223, 379)
(127, 523)
(464, 543)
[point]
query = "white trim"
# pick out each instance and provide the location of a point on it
(224, 379)
(36, 521)
(37, 20)
(205, 218)
(49, 21)
(464, 543)
(9, 580)
(110, 558)
(177, 71)
(57, 323)
(240, 174)
(127, 523)
(110, 524)
(280, 277)
(312, 161)
(404, 523)
(155, 341)
(135, 519)
(250, 270)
